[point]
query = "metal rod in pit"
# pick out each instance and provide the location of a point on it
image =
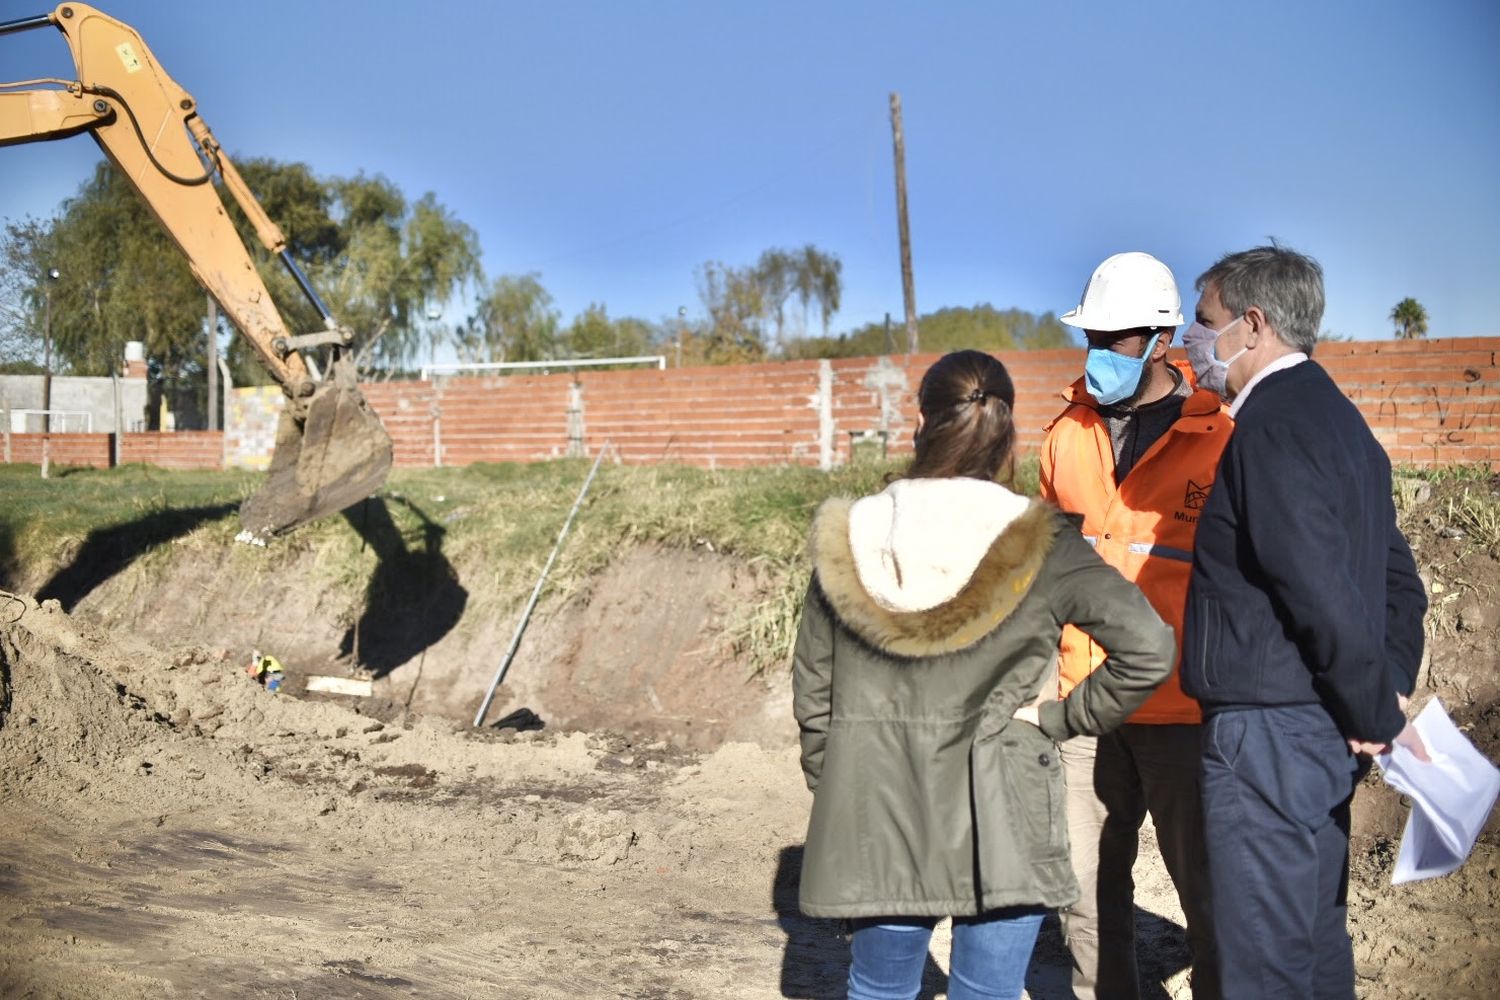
(536, 592)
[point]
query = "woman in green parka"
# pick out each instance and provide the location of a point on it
(930, 627)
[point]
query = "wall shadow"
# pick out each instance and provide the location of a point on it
(107, 551)
(414, 597)
(815, 961)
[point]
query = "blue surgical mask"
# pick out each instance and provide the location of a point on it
(1111, 376)
(1201, 345)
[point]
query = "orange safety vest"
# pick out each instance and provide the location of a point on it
(1144, 528)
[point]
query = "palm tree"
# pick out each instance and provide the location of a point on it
(1410, 319)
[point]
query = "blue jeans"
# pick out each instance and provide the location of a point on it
(989, 959)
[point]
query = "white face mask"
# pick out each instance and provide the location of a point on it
(1200, 343)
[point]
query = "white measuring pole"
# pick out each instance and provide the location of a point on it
(536, 592)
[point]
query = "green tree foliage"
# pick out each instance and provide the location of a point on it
(377, 261)
(24, 260)
(981, 327)
(396, 260)
(735, 300)
(809, 275)
(1410, 319)
(514, 321)
(122, 279)
(745, 303)
(301, 205)
(594, 335)
(819, 279)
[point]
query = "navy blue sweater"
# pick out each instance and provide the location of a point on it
(1303, 589)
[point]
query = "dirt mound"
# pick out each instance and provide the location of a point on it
(169, 827)
(642, 650)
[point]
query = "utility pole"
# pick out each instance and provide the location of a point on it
(907, 289)
(213, 364)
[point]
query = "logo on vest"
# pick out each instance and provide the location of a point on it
(1197, 496)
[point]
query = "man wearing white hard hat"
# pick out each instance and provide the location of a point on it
(1134, 453)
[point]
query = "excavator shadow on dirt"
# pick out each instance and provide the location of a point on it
(414, 597)
(108, 551)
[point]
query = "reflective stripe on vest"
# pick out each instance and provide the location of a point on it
(1164, 551)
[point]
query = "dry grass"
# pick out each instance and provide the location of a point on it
(1451, 516)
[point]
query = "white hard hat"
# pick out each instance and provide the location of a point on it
(1128, 291)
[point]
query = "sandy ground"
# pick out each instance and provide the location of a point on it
(169, 828)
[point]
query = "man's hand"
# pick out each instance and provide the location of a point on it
(1408, 737)
(1028, 713)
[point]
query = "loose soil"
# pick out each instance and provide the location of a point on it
(170, 828)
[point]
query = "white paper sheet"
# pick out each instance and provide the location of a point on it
(1451, 797)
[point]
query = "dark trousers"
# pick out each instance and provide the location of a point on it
(1113, 782)
(1277, 782)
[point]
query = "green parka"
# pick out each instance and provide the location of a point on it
(928, 798)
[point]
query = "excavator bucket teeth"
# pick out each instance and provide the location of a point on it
(338, 455)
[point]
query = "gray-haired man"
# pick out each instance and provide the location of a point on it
(1303, 630)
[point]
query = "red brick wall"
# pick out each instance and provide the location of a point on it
(66, 449)
(1429, 402)
(167, 450)
(175, 449)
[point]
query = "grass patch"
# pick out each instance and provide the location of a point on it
(495, 523)
(1451, 516)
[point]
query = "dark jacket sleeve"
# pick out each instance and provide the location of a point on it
(1091, 594)
(812, 682)
(1405, 607)
(1301, 543)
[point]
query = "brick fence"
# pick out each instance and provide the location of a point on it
(166, 450)
(1429, 402)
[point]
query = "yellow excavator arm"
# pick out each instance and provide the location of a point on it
(331, 449)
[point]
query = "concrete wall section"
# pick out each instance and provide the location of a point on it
(89, 403)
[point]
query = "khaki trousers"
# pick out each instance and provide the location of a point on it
(1113, 782)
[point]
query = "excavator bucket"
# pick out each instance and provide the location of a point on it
(335, 457)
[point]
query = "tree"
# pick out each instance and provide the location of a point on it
(122, 279)
(820, 278)
(736, 306)
(981, 327)
(1410, 319)
(594, 335)
(394, 263)
(24, 259)
(301, 206)
(377, 262)
(809, 274)
(514, 321)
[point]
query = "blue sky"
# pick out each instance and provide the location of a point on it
(614, 147)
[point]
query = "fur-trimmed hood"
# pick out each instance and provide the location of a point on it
(929, 566)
